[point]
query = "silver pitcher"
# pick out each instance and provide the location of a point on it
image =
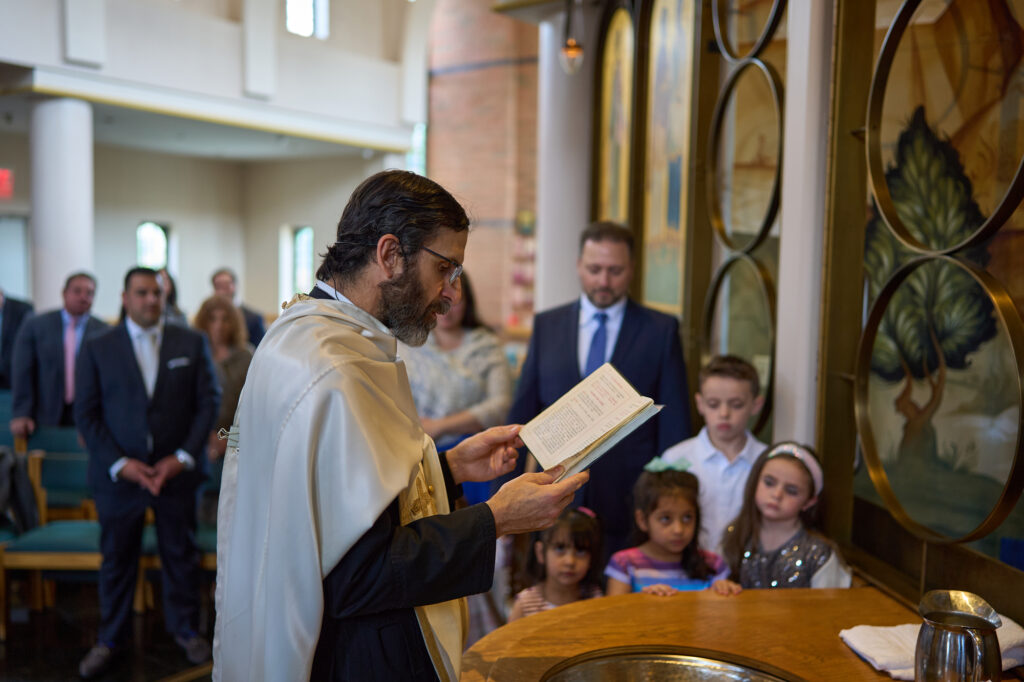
(957, 642)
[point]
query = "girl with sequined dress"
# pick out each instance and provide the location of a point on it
(668, 557)
(563, 563)
(771, 544)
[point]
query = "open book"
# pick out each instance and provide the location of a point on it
(587, 421)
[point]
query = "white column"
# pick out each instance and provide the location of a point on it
(60, 144)
(805, 148)
(564, 111)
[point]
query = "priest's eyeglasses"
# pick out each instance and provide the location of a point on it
(453, 278)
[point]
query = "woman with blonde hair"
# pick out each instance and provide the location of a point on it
(225, 329)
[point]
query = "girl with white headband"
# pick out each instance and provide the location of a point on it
(771, 544)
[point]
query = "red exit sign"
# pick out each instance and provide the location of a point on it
(6, 183)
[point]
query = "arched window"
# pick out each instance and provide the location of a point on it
(151, 245)
(308, 18)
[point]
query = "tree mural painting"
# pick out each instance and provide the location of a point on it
(939, 316)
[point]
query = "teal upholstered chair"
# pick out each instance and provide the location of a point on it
(6, 437)
(66, 547)
(57, 546)
(58, 466)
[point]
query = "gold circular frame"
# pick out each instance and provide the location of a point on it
(876, 172)
(717, 119)
(764, 279)
(767, 33)
(1010, 318)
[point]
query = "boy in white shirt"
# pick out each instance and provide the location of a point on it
(722, 453)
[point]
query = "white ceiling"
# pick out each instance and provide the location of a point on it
(154, 132)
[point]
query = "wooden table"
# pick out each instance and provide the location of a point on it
(796, 630)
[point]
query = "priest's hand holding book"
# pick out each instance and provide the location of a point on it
(565, 439)
(486, 455)
(525, 504)
(533, 501)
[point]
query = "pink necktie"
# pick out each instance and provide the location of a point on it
(69, 361)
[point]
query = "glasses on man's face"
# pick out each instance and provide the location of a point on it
(453, 278)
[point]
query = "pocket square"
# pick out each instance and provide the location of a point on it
(174, 363)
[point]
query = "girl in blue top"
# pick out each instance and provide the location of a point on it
(667, 558)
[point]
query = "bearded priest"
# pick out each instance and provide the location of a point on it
(340, 554)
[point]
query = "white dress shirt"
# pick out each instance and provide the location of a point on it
(146, 344)
(588, 325)
(721, 481)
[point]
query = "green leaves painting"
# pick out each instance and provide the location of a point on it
(939, 307)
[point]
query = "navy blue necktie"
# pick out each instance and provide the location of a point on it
(598, 345)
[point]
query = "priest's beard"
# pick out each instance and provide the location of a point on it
(402, 308)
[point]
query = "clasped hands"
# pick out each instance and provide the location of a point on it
(151, 478)
(527, 503)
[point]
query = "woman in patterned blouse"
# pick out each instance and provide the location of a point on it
(460, 377)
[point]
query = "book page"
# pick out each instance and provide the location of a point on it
(592, 409)
(584, 459)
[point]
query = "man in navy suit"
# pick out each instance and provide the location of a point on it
(145, 400)
(45, 352)
(224, 285)
(12, 313)
(604, 325)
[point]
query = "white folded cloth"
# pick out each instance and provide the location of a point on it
(891, 649)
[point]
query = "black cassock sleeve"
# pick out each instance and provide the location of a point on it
(430, 560)
(369, 628)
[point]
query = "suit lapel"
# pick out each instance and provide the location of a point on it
(166, 350)
(627, 335)
(127, 350)
(92, 326)
(56, 332)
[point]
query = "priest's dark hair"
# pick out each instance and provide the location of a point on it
(402, 203)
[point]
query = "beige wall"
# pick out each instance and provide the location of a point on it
(292, 193)
(219, 213)
(200, 200)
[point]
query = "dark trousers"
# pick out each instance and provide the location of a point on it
(122, 517)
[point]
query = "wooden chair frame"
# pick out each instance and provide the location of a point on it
(86, 511)
(42, 593)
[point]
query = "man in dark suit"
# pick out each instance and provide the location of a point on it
(45, 352)
(12, 313)
(145, 400)
(224, 285)
(604, 325)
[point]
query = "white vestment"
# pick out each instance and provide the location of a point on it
(327, 438)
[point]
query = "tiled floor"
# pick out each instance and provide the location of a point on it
(48, 645)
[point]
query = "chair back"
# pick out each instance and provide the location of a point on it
(55, 439)
(6, 437)
(59, 469)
